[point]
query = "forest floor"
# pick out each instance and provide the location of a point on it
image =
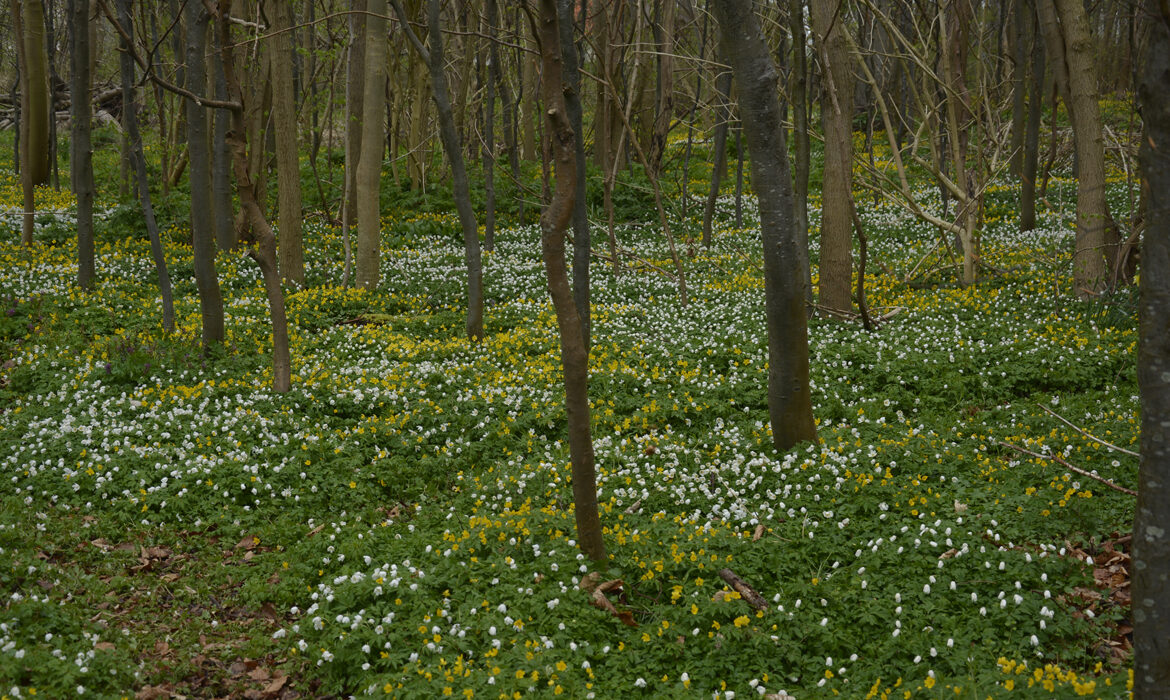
(401, 521)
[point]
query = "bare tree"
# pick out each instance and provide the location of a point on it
(789, 392)
(81, 152)
(553, 223)
(369, 164)
(288, 162)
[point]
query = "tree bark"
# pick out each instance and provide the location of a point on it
(355, 86)
(1019, 87)
(134, 138)
(719, 146)
(489, 129)
(1151, 528)
(836, 265)
(574, 354)
(288, 162)
(369, 162)
(581, 238)
(35, 83)
(799, 99)
(260, 232)
(221, 181)
(1031, 159)
(202, 237)
(789, 393)
(81, 152)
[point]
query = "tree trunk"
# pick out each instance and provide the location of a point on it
(81, 152)
(221, 181)
(35, 74)
(130, 122)
(1031, 160)
(664, 87)
(355, 86)
(1151, 527)
(789, 393)
(719, 146)
(202, 237)
(1019, 88)
(799, 93)
(369, 162)
(1093, 251)
(489, 131)
(574, 354)
(581, 239)
(828, 24)
(260, 231)
(288, 162)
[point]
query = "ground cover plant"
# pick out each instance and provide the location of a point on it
(400, 523)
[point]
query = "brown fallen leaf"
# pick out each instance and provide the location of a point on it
(45, 585)
(275, 685)
(590, 581)
(249, 542)
(760, 529)
(948, 554)
(170, 578)
(104, 646)
(315, 530)
(162, 648)
(259, 674)
(153, 692)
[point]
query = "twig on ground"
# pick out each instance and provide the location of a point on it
(1082, 431)
(1070, 467)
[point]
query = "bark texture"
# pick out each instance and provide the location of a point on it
(1151, 528)
(553, 222)
(288, 163)
(369, 159)
(81, 152)
(836, 265)
(789, 394)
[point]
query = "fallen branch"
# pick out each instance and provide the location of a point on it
(747, 592)
(1070, 467)
(1082, 431)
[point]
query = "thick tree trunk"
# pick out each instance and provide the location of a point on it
(574, 354)
(202, 237)
(719, 147)
(81, 152)
(1151, 527)
(221, 181)
(489, 131)
(138, 160)
(789, 393)
(828, 23)
(369, 162)
(288, 162)
(35, 74)
(1019, 87)
(581, 238)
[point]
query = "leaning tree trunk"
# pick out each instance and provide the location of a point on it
(1151, 527)
(574, 355)
(836, 265)
(202, 236)
(138, 160)
(789, 392)
(81, 152)
(288, 163)
(369, 160)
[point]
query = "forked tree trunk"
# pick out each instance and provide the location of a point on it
(1151, 527)
(288, 162)
(261, 234)
(369, 162)
(202, 237)
(836, 265)
(81, 153)
(130, 121)
(574, 355)
(789, 393)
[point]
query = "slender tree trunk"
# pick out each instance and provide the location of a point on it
(719, 146)
(130, 120)
(261, 234)
(288, 162)
(1019, 87)
(202, 237)
(81, 152)
(789, 393)
(355, 87)
(489, 131)
(1030, 165)
(369, 163)
(221, 182)
(664, 87)
(571, 74)
(799, 92)
(1151, 527)
(574, 354)
(828, 23)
